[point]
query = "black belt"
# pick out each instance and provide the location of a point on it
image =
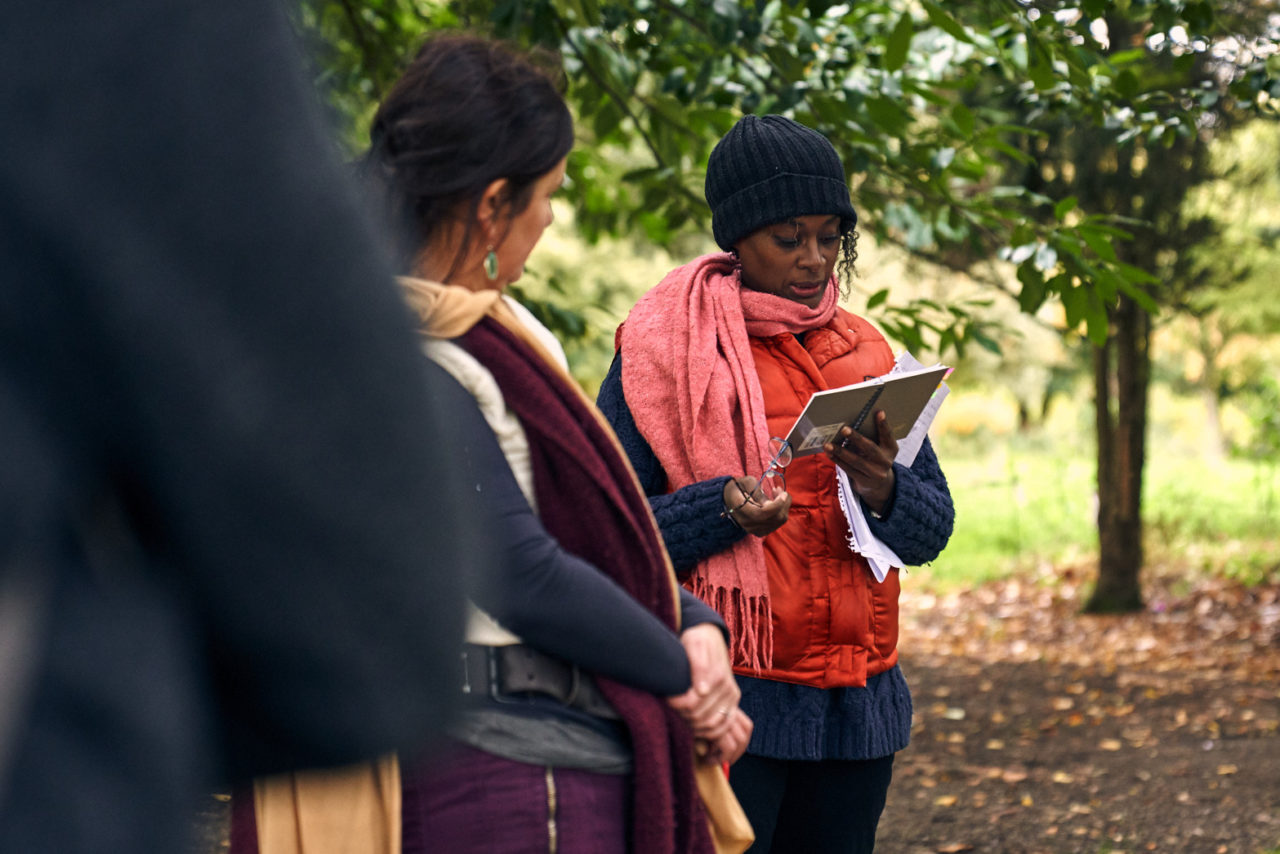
(502, 671)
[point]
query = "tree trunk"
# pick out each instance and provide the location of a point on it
(1121, 376)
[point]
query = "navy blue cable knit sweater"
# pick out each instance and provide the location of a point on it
(798, 721)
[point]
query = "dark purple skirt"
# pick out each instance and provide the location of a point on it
(466, 801)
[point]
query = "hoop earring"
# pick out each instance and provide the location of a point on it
(491, 265)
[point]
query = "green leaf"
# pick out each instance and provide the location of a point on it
(1127, 83)
(828, 108)
(942, 19)
(1034, 289)
(606, 119)
(1016, 154)
(1040, 67)
(1136, 274)
(895, 54)
(1199, 17)
(1065, 206)
(1075, 304)
(888, 114)
(949, 339)
(1095, 8)
(1125, 57)
(1022, 234)
(1107, 285)
(963, 117)
(1138, 295)
(988, 344)
(877, 299)
(1096, 321)
(1099, 242)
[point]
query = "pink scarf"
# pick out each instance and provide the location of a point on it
(690, 382)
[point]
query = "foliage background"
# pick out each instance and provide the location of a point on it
(1022, 169)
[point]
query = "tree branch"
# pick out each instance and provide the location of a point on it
(357, 30)
(623, 103)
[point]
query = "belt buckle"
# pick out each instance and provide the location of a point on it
(495, 686)
(567, 695)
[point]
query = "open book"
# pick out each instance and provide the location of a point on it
(905, 393)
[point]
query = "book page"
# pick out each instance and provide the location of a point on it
(909, 446)
(827, 412)
(901, 394)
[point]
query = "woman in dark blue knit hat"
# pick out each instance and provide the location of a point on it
(712, 363)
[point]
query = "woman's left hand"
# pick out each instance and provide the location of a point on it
(730, 746)
(709, 705)
(869, 464)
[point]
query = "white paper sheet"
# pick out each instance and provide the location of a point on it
(861, 540)
(879, 556)
(910, 444)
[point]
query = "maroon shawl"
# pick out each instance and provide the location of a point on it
(589, 500)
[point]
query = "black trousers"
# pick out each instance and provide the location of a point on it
(812, 807)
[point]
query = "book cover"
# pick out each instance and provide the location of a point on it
(902, 395)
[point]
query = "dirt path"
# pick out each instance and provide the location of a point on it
(1039, 730)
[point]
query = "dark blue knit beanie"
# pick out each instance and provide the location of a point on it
(769, 169)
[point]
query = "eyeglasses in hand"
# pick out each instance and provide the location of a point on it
(772, 482)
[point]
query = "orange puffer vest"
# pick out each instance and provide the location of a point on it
(833, 624)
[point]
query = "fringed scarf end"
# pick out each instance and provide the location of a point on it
(748, 618)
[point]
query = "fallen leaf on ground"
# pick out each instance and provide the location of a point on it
(1014, 775)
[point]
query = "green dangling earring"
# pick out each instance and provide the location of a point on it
(491, 265)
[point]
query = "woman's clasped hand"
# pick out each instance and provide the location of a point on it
(711, 703)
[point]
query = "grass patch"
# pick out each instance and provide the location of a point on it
(1018, 507)
(1025, 507)
(1221, 518)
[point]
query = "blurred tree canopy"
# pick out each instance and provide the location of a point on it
(1059, 139)
(1235, 274)
(928, 104)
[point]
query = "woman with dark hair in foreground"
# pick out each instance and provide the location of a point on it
(587, 672)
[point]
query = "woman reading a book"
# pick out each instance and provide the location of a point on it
(587, 673)
(712, 364)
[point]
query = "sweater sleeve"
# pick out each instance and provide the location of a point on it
(919, 523)
(695, 612)
(552, 599)
(689, 518)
